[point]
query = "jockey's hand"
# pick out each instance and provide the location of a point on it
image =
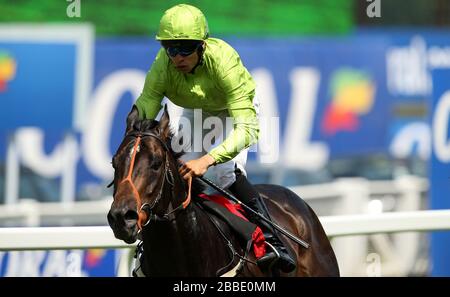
(197, 167)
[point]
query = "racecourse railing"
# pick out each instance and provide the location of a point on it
(358, 215)
(51, 238)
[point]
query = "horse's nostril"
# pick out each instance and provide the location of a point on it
(111, 217)
(131, 215)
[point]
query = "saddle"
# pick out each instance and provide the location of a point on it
(234, 215)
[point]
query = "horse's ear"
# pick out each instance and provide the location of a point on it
(164, 123)
(132, 118)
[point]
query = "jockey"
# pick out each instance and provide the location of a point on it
(206, 74)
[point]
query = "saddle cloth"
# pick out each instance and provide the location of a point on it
(234, 215)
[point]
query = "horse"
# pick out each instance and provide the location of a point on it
(152, 202)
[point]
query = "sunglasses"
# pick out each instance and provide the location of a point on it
(184, 51)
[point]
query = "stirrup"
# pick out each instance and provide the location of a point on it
(279, 259)
(267, 261)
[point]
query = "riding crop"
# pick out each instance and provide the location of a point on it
(247, 208)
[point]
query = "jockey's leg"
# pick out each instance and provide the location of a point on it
(232, 175)
(247, 193)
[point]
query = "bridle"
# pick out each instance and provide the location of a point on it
(145, 210)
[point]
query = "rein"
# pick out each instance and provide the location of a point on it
(145, 210)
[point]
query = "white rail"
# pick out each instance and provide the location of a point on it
(50, 238)
(342, 197)
(30, 213)
(346, 207)
(424, 220)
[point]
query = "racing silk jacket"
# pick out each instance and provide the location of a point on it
(220, 83)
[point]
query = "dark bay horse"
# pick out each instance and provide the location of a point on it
(179, 237)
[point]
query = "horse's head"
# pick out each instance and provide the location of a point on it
(141, 165)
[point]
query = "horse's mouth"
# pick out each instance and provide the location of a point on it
(124, 227)
(129, 235)
(131, 240)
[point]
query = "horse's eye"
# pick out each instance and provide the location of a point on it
(156, 164)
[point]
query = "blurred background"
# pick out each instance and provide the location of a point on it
(358, 88)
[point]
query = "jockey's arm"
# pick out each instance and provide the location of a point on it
(149, 102)
(238, 88)
(244, 134)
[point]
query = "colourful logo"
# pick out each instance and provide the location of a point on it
(7, 69)
(352, 95)
(94, 257)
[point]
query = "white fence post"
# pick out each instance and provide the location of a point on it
(126, 262)
(12, 172)
(31, 211)
(68, 175)
(407, 244)
(351, 251)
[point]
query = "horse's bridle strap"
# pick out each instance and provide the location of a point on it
(130, 173)
(143, 217)
(147, 217)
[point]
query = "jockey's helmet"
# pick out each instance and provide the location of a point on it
(183, 22)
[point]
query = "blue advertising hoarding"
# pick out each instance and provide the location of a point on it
(353, 82)
(45, 75)
(40, 90)
(351, 87)
(440, 168)
(350, 91)
(60, 263)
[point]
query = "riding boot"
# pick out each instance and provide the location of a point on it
(278, 255)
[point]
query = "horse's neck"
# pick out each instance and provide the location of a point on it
(181, 227)
(188, 244)
(181, 246)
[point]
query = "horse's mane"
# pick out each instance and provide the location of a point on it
(148, 125)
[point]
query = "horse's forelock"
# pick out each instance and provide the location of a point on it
(145, 125)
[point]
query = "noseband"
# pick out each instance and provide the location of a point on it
(145, 210)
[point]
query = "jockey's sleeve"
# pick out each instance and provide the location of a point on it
(239, 88)
(149, 102)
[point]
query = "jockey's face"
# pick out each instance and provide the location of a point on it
(183, 53)
(185, 64)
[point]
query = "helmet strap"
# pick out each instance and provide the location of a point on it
(200, 52)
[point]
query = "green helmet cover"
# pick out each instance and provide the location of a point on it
(183, 22)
